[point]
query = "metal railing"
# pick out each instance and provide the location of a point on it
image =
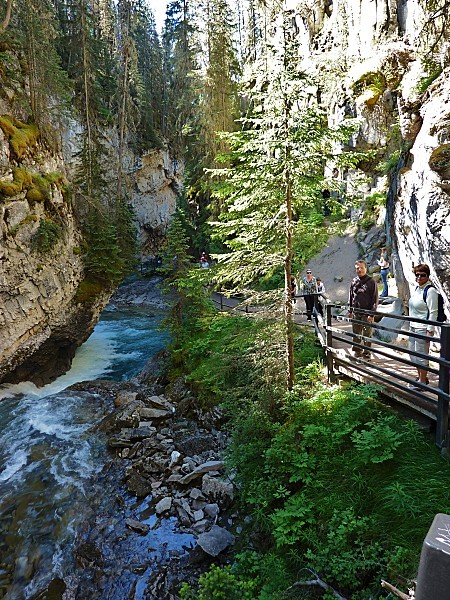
(329, 334)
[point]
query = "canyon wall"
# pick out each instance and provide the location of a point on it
(47, 308)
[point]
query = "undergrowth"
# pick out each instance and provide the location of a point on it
(333, 483)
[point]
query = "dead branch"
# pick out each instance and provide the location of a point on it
(5, 23)
(395, 591)
(322, 584)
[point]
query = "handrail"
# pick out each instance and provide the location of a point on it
(440, 396)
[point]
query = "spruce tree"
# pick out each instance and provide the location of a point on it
(276, 168)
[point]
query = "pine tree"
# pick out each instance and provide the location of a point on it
(180, 279)
(277, 167)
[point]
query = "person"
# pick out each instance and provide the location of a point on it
(293, 288)
(204, 260)
(309, 290)
(421, 309)
(321, 296)
(363, 294)
(384, 264)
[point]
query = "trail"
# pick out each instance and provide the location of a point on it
(335, 264)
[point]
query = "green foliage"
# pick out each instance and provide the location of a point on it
(433, 70)
(218, 584)
(340, 484)
(103, 260)
(184, 283)
(47, 236)
(388, 166)
(372, 205)
(374, 81)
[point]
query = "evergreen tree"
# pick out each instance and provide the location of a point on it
(48, 87)
(182, 281)
(277, 167)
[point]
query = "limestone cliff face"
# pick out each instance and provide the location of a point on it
(368, 59)
(41, 322)
(157, 179)
(43, 315)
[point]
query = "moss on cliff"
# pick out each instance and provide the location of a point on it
(21, 136)
(440, 160)
(37, 187)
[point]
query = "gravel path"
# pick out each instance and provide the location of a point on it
(335, 265)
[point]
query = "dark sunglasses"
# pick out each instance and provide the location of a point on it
(421, 275)
(308, 273)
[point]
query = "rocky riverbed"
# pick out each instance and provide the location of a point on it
(166, 453)
(122, 491)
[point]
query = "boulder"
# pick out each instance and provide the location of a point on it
(138, 485)
(212, 465)
(164, 505)
(217, 489)
(135, 525)
(214, 541)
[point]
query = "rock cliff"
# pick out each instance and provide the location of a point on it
(47, 309)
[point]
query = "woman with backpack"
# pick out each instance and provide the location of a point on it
(423, 304)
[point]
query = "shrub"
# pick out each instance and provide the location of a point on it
(47, 236)
(218, 584)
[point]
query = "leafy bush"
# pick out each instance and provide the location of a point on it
(218, 584)
(334, 486)
(434, 70)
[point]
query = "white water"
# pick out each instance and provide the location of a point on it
(48, 453)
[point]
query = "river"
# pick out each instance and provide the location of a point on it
(52, 480)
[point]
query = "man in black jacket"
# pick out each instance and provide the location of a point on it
(363, 294)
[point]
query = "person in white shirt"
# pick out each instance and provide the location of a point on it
(420, 309)
(384, 264)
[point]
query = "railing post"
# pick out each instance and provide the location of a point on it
(329, 342)
(442, 407)
(432, 577)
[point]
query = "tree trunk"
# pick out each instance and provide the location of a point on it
(5, 22)
(86, 99)
(288, 310)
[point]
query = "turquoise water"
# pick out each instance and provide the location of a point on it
(49, 456)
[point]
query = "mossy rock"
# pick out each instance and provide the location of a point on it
(22, 136)
(35, 195)
(88, 291)
(22, 177)
(440, 160)
(9, 188)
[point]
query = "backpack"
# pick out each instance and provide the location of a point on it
(441, 317)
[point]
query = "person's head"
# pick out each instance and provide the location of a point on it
(309, 274)
(422, 273)
(318, 280)
(361, 268)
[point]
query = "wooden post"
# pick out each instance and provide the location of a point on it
(329, 342)
(442, 407)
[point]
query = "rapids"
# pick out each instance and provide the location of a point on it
(53, 480)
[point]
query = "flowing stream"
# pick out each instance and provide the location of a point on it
(51, 463)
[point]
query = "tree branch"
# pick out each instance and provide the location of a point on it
(5, 23)
(395, 591)
(322, 584)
